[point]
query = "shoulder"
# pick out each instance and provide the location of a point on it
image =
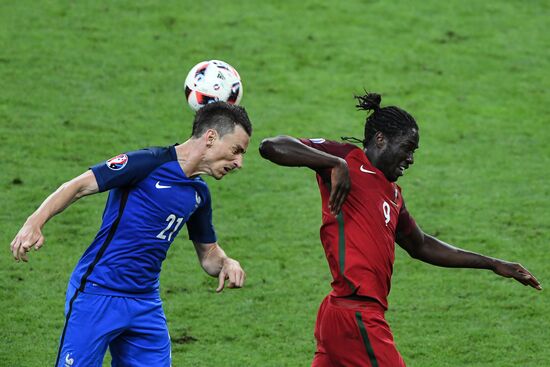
(151, 157)
(131, 167)
(330, 146)
(156, 154)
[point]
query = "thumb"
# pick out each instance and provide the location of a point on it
(221, 281)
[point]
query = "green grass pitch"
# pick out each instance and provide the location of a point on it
(81, 81)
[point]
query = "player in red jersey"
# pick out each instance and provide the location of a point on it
(364, 215)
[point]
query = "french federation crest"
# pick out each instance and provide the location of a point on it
(197, 198)
(117, 163)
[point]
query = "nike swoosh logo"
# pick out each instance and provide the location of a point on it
(366, 170)
(159, 186)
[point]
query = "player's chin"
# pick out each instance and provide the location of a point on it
(392, 177)
(398, 173)
(220, 174)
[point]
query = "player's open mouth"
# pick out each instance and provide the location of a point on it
(401, 169)
(226, 169)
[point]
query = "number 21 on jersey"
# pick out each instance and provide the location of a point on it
(171, 219)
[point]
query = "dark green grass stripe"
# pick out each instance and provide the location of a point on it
(366, 340)
(342, 248)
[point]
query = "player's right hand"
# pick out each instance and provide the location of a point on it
(29, 236)
(518, 272)
(340, 184)
(232, 271)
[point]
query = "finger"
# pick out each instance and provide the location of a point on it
(221, 281)
(15, 250)
(13, 242)
(239, 279)
(340, 199)
(23, 254)
(39, 243)
(23, 249)
(20, 251)
(232, 279)
(242, 279)
(527, 282)
(526, 272)
(522, 281)
(335, 207)
(331, 199)
(530, 278)
(533, 282)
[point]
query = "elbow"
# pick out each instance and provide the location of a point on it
(267, 148)
(70, 188)
(275, 147)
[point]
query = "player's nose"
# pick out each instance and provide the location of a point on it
(238, 161)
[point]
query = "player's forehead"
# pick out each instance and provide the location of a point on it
(238, 138)
(409, 138)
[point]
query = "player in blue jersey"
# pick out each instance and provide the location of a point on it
(113, 294)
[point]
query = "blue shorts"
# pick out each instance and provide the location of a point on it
(134, 329)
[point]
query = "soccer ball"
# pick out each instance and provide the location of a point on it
(212, 81)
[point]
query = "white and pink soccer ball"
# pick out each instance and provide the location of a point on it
(212, 81)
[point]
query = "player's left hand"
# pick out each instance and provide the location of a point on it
(232, 271)
(518, 272)
(340, 187)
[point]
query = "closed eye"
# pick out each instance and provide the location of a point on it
(238, 150)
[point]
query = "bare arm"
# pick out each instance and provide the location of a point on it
(30, 235)
(216, 263)
(429, 249)
(288, 151)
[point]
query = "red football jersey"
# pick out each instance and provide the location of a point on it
(359, 243)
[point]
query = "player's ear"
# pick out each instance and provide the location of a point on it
(210, 136)
(380, 140)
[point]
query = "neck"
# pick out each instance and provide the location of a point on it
(372, 155)
(190, 157)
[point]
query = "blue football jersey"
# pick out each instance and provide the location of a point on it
(150, 199)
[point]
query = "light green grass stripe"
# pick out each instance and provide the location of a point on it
(366, 340)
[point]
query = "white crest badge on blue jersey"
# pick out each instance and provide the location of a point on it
(68, 360)
(317, 140)
(117, 163)
(197, 199)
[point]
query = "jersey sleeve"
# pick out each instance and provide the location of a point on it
(199, 225)
(128, 169)
(330, 147)
(405, 222)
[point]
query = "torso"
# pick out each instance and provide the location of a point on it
(147, 206)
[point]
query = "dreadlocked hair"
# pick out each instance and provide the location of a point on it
(392, 121)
